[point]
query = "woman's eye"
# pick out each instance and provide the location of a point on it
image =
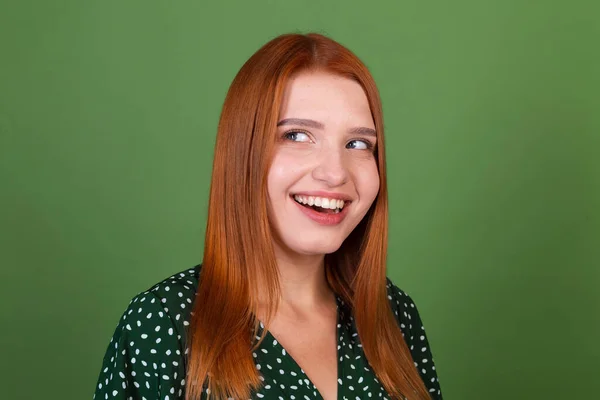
(359, 145)
(297, 136)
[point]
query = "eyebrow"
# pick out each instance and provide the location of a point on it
(309, 123)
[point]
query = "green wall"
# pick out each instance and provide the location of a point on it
(108, 114)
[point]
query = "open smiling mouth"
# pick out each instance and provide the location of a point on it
(321, 204)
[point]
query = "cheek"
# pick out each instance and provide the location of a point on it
(281, 176)
(367, 179)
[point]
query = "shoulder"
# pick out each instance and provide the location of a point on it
(147, 349)
(402, 304)
(176, 289)
(408, 317)
(170, 298)
(164, 307)
(413, 331)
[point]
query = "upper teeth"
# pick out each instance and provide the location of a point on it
(322, 202)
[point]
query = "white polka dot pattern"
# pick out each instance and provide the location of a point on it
(146, 357)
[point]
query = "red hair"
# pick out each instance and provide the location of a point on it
(239, 251)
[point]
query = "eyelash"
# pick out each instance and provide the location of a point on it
(286, 133)
(368, 143)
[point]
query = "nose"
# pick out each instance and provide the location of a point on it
(330, 168)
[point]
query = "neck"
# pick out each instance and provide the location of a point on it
(304, 291)
(303, 283)
(303, 287)
(302, 280)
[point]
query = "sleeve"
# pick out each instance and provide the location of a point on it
(144, 359)
(414, 335)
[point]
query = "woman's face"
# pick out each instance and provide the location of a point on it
(324, 175)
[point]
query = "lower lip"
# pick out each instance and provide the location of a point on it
(323, 218)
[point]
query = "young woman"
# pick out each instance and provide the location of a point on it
(291, 300)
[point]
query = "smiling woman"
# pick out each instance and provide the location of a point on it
(324, 155)
(291, 300)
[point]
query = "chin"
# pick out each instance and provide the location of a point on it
(315, 248)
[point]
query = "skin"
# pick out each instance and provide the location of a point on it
(327, 158)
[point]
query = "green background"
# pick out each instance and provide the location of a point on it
(108, 115)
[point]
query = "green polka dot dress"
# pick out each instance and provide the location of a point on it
(146, 357)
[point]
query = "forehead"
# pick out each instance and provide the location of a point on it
(325, 97)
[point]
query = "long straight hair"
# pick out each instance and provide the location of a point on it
(239, 251)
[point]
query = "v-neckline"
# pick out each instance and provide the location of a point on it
(269, 336)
